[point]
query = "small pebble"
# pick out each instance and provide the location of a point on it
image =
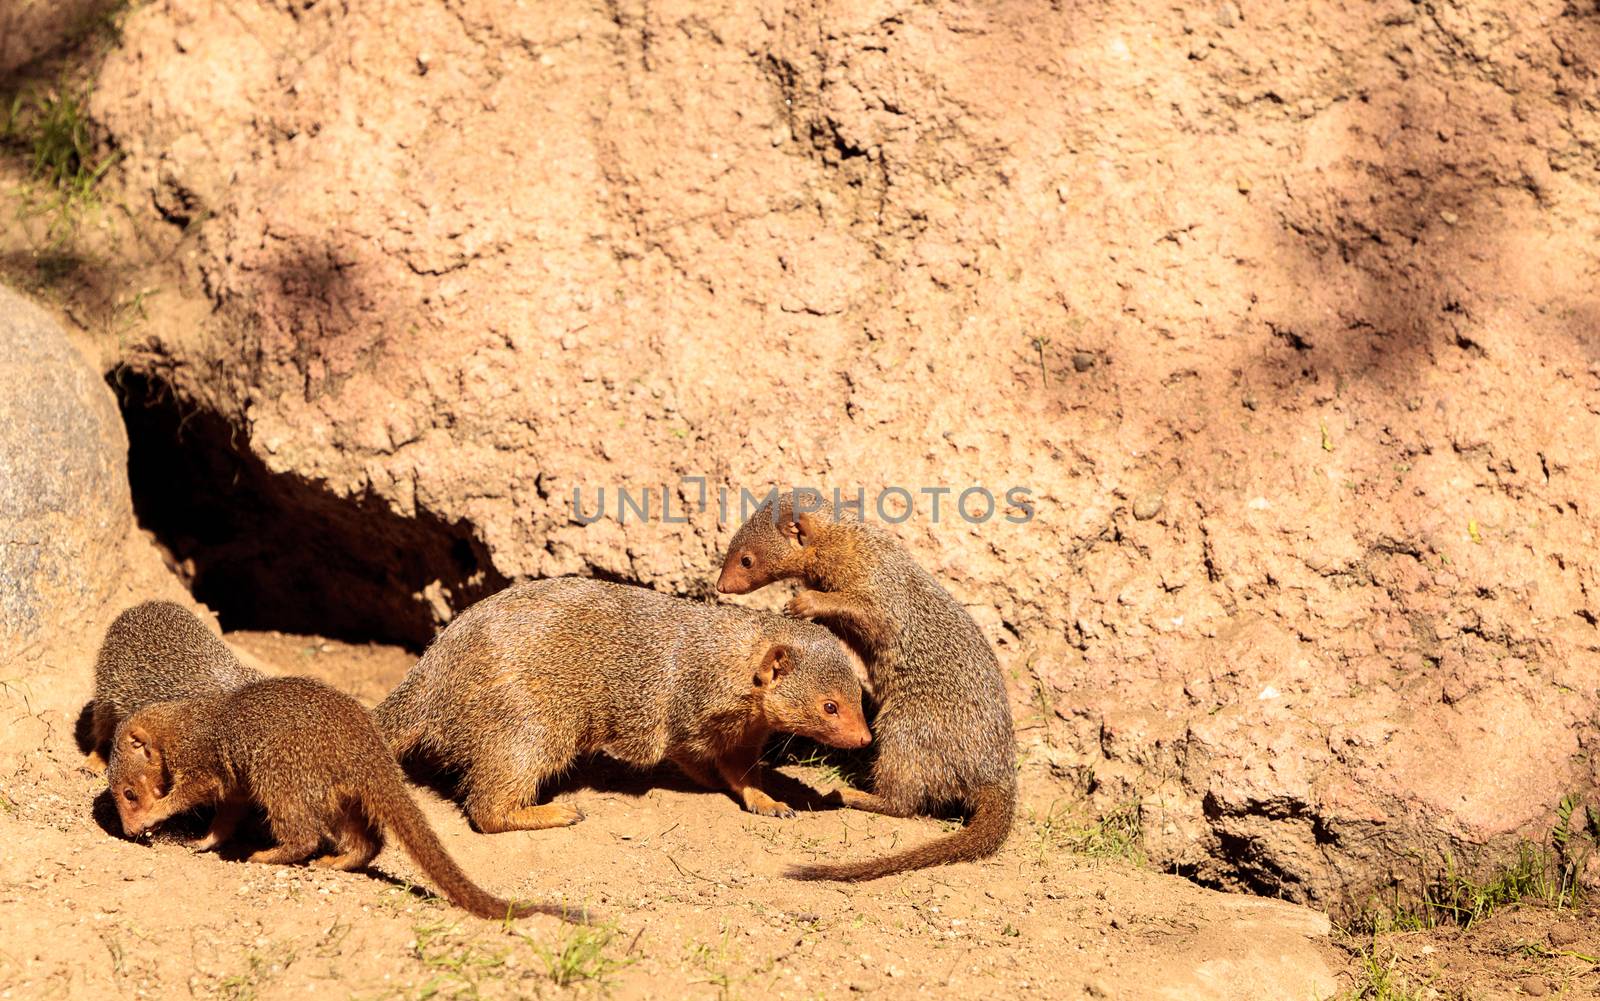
(1534, 987)
(1563, 935)
(1148, 506)
(1082, 361)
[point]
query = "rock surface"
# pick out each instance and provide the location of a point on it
(65, 514)
(1332, 263)
(29, 29)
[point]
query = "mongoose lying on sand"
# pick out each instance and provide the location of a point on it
(943, 727)
(154, 652)
(528, 679)
(307, 754)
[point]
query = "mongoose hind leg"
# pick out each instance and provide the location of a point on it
(357, 840)
(498, 798)
(855, 799)
(538, 818)
(698, 772)
(287, 852)
(298, 835)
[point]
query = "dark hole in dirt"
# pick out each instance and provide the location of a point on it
(276, 551)
(1251, 871)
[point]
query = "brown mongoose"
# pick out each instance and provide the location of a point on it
(153, 652)
(943, 728)
(310, 756)
(530, 678)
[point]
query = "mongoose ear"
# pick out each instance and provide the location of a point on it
(139, 740)
(805, 529)
(779, 661)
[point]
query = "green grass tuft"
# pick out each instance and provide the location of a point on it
(458, 963)
(1376, 979)
(48, 128)
(1547, 874)
(1116, 834)
(834, 767)
(581, 955)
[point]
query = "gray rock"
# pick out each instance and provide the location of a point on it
(64, 504)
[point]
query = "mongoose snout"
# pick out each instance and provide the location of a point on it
(735, 579)
(811, 688)
(761, 550)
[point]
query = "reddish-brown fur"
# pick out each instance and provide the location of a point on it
(153, 652)
(307, 754)
(943, 728)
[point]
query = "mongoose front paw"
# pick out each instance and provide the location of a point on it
(566, 815)
(206, 844)
(801, 606)
(766, 806)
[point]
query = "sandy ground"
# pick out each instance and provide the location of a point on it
(1286, 310)
(688, 893)
(687, 896)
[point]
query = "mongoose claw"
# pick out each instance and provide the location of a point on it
(772, 808)
(800, 607)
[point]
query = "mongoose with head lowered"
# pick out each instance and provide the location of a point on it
(943, 727)
(308, 755)
(153, 652)
(528, 679)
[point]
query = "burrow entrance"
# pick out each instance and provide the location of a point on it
(276, 551)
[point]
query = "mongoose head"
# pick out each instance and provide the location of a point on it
(141, 783)
(770, 545)
(807, 686)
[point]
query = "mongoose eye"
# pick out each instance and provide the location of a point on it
(129, 795)
(831, 708)
(747, 561)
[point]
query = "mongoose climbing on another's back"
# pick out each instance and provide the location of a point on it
(310, 756)
(943, 729)
(528, 679)
(153, 652)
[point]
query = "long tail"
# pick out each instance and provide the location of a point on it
(397, 811)
(993, 807)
